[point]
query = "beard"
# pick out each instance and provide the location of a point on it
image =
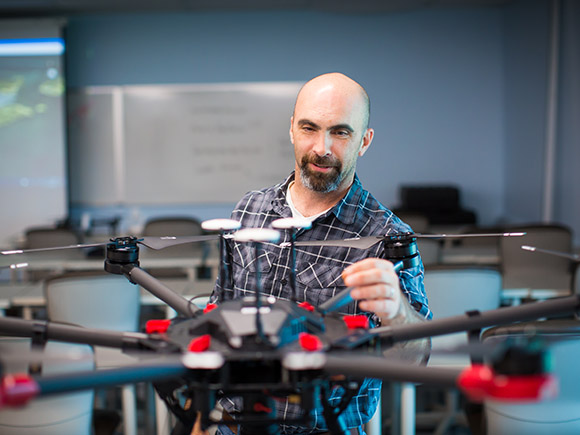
(321, 181)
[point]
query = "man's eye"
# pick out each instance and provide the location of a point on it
(343, 133)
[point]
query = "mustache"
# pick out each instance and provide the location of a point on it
(325, 161)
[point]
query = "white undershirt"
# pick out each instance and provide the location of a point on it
(295, 212)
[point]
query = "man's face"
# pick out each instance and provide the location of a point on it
(328, 134)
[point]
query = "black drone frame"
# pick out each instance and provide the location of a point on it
(198, 356)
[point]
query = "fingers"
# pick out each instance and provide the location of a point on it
(375, 285)
(384, 308)
(370, 271)
(368, 263)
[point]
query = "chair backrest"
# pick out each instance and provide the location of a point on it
(453, 290)
(41, 237)
(52, 237)
(534, 270)
(430, 250)
(175, 226)
(560, 415)
(49, 237)
(93, 300)
(52, 415)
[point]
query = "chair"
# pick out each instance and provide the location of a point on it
(548, 417)
(174, 226)
(454, 290)
(48, 237)
(474, 250)
(430, 250)
(99, 300)
(534, 273)
(52, 415)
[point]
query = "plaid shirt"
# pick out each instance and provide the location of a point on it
(318, 272)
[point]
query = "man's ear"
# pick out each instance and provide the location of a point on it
(291, 135)
(366, 141)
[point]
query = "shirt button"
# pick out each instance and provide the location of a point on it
(283, 281)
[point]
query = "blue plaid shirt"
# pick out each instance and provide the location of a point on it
(318, 272)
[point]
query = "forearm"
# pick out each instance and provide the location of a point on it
(416, 351)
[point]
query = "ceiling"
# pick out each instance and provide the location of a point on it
(40, 8)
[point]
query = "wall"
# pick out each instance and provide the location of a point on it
(435, 78)
(567, 197)
(526, 53)
(526, 67)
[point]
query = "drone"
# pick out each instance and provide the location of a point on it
(261, 348)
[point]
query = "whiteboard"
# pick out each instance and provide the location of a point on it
(94, 175)
(180, 144)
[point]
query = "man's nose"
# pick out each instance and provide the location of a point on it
(323, 145)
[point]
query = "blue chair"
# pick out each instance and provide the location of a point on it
(52, 415)
(454, 290)
(104, 301)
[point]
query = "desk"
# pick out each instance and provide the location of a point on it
(31, 295)
(482, 255)
(57, 265)
(28, 295)
(21, 294)
(515, 296)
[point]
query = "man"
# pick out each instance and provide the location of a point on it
(329, 131)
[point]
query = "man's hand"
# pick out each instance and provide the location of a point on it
(376, 285)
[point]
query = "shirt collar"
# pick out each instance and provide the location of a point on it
(279, 204)
(344, 210)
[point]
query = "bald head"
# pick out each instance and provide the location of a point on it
(339, 87)
(329, 131)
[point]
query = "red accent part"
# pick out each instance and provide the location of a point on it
(475, 381)
(17, 390)
(199, 344)
(157, 325)
(209, 307)
(480, 382)
(260, 407)
(306, 305)
(356, 321)
(309, 342)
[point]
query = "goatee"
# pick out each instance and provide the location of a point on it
(320, 181)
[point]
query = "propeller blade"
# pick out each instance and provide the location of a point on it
(150, 242)
(367, 242)
(55, 248)
(466, 235)
(168, 241)
(572, 257)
